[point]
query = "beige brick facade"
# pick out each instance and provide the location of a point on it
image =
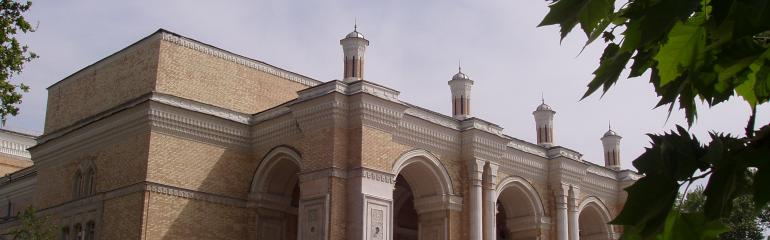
(187, 141)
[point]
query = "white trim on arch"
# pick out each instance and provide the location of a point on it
(526, 187)
(270, 160)
(602, 207)
(603, 212)
(421, 156)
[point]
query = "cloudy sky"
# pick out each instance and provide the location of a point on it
(415, 47)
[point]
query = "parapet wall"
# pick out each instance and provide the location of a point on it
(169, 63)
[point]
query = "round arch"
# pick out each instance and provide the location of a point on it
(524, 186)
(414, 164)
(275, 194)
(593, 218)
(520, 209)
(422, 187)
(281, 157)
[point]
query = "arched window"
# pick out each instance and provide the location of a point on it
(78, 232)
(90, 230)
(65, 233)
(90, 177)
(77, 188)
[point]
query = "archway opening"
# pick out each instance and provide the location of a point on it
(405, 217)
(420, 208)
(517, 213)
(592, 223)
(276, 193)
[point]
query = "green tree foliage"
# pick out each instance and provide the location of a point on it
(33, 227)
(13, 55)
(745, 222)
(693, 50)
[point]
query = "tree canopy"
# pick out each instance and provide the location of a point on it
(693, 50)
(13, 54)
(746, 222)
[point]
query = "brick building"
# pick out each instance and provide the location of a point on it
(171, 138)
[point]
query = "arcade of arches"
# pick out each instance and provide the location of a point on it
(416, 201)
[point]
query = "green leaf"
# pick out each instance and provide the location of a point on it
(746, 89)
(594, 13)
(612, 63)
(682, 50)
(589, 13)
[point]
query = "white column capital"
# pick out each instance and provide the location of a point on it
(491, 174)
(475, 171)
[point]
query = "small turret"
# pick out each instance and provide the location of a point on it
(611, 143)
(544, 124)
(353, 46)
(461, 94)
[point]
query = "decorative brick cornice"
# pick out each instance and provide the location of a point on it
(372, 174)
(196, 106)
(14, 148)
(228, 56)
(191, 124)
(527, 147)
(192, 194)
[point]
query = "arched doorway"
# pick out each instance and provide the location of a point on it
(519, 210)
(422, 197)
(593, 220)
(275, 195)
(405, 217)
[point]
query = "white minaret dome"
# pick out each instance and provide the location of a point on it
(460, 76)
(544, 107)
(354, 34)
(611, 133)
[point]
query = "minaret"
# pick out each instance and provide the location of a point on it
(544, 124)
(353, 47)
(461, 94)
(611, 142)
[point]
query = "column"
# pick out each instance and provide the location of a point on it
(475, 169)
(572, 209)
(490, 202)
(370, 204)
(561, 212)
(315, 204)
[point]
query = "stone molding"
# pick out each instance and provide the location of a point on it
(372, 174)
(14, 148)
(436, 118)
(196, 106)
(192, 194)
(190, 123)
(417, 132)
(100, 133)
(228, 56)
(527, 147)
(559, 151)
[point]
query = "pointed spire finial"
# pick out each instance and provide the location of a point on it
(609, 125)
(355, 24)
(542, 98)
(459, 66)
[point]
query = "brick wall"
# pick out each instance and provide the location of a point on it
(191, 74)
(199, 166)
(122, 217)
(170, 217)
(123, 76)
(9, 163)
(119, 163)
